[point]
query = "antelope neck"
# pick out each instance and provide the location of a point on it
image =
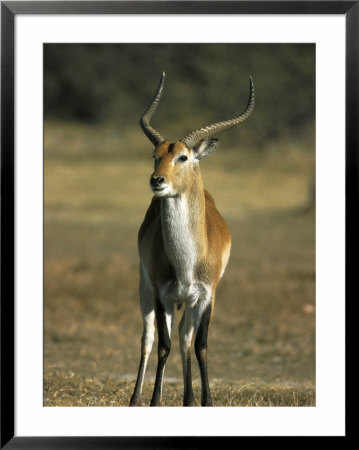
(183, 229)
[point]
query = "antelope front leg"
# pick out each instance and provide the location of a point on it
(185, 333)
(202, 319)
(164, 319)
(146, 346)
(148, 317)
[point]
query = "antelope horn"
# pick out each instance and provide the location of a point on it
(149, 131)
(193, 138)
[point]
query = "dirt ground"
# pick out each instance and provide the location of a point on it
(262, 335)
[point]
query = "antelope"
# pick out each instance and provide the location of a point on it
(184, 245)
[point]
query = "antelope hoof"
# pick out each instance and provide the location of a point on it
(189, 400)
(135, 401)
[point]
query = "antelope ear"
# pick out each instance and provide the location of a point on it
(205, 148)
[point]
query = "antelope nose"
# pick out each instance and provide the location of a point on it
(156, 181)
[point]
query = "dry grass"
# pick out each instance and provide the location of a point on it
(74, 390)
(262, 337)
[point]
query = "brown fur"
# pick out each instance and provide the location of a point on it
(184, 246)
(212, 236)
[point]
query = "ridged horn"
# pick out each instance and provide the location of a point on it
(153, 135)
(193, 138)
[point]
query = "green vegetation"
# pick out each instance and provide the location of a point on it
(205, 83)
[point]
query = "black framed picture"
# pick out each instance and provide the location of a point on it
(77, 179)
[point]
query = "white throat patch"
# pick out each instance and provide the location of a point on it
(179, 244)
(177, 237)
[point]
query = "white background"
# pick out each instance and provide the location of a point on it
(327, 417)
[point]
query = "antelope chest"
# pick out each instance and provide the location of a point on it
(182, 251)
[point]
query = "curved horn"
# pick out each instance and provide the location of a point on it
(193, 138)
(150, 132)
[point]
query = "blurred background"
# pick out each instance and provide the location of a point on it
(97, 164)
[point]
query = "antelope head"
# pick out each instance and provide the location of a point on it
(176, 164)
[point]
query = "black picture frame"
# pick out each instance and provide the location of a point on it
(9, 10)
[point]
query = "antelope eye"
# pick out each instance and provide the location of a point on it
(183, 158)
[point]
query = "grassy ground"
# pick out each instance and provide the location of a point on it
(63, 389)
(262, 335)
